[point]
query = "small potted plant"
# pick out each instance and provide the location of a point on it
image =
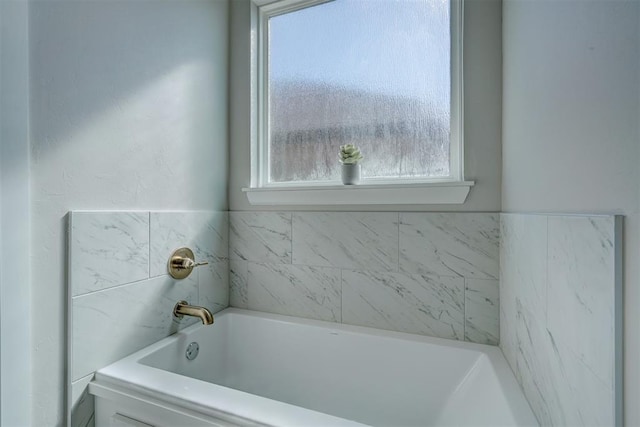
(350, 158)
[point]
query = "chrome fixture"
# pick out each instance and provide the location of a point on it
(183, 308)
(192, 351)
(182, 262)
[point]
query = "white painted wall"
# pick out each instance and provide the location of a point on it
(571, 99)
(128, 111)
(15, 328)
(482, 124)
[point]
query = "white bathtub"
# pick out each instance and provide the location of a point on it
(256, 368)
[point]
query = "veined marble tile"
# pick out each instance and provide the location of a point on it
(260, 237)
(558, 280)
(523, 274)
(561, 389)
(508, 321)
(113, 323)
(417, 304)
(523, 258)
(581, 290)
(508, 340)
(538, 368)
(450, 244)
(206, 233)
(107, 249)
(482, 311)
(352, 240)
(238, 271)
(586, 399)
(213, 286)
(311, 292)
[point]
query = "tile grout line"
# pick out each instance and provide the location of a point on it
(464, 309)
(245, 269)
(291, 242)
(199, 301)
(119, 286)
(546, 276)
(149, 258)
(398, 261)
(341, 296)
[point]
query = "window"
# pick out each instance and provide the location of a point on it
(381, 74)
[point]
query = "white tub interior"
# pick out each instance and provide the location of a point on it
(368, 376)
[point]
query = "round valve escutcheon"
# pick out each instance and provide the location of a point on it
(182, 262)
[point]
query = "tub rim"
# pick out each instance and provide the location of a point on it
(130, 375)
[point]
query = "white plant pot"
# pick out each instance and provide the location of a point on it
(350, 174)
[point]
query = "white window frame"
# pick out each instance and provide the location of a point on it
(448, 190)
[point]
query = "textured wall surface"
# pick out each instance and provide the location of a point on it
(121, 295)
(15, 366)
(128, 110)
(559, 280)
(425, 273)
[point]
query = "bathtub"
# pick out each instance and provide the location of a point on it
(263, 369)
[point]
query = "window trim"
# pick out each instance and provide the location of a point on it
(263, 10)
(434, 193)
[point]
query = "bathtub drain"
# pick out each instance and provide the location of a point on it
(192, 350)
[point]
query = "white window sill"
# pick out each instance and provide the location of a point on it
(450, 193)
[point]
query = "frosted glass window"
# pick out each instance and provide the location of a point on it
(375, 73)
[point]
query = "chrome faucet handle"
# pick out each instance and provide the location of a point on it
(182, 262)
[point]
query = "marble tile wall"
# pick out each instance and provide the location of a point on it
(428, 273)
(543, 286)
(560, 284)
(121, 297)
